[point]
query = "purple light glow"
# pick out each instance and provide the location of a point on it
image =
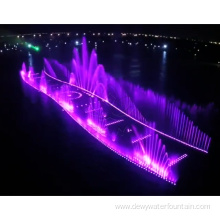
(177, 160)
(114, 122)
(95, 100)
(170, 120)
(96, 127)
(141, 138)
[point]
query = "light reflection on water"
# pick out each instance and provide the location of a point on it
(163, 70)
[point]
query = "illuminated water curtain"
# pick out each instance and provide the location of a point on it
(110, 111)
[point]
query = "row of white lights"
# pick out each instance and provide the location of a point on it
(111, 34)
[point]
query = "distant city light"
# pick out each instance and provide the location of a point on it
(164, 46)
(77, 42)
(36, 48)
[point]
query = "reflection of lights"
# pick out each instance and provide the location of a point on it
(34, 35)
(77, 42)
(68, 34)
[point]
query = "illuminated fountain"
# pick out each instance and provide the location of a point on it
(110, 111)
(169, 117)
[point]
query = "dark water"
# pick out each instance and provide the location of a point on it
(44, 152)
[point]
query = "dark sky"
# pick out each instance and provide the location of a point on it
(203, 32)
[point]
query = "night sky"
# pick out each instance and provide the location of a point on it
(201, 32)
